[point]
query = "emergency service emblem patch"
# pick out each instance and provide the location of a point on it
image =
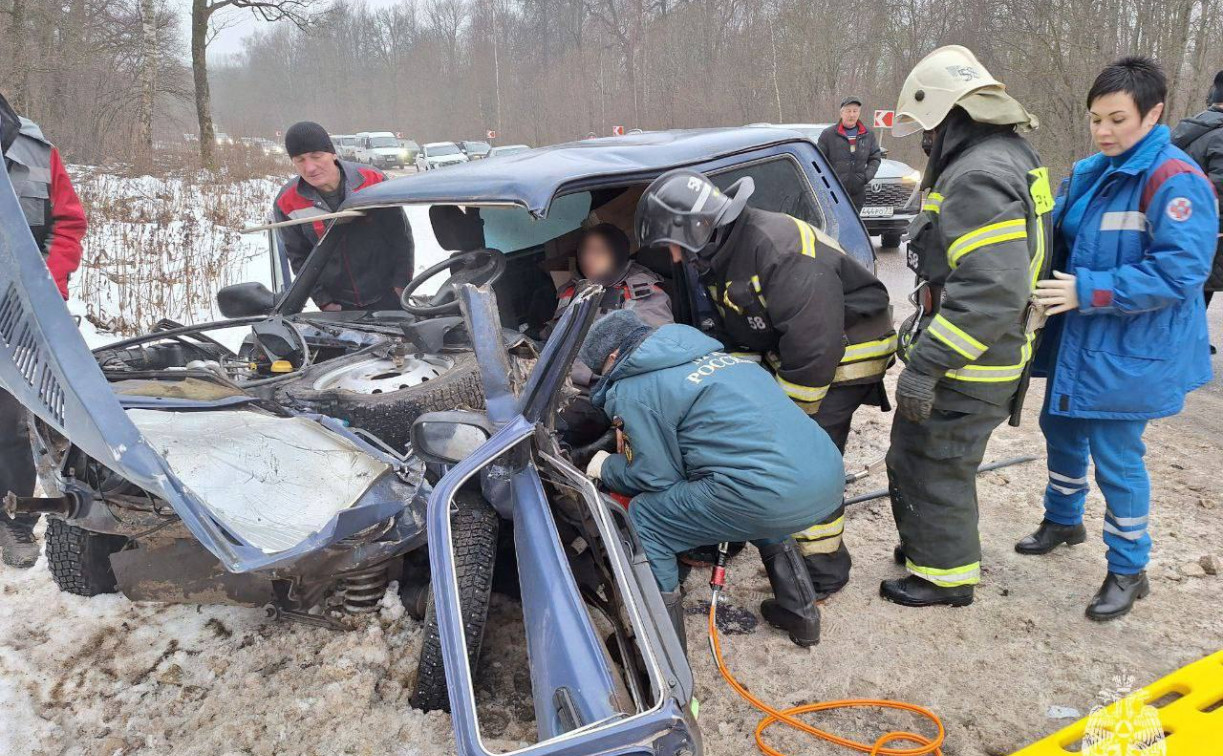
(1180, 209)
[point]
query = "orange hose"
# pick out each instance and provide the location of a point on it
(788, 716)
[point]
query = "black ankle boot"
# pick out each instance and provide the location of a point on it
(911, 590)
(674, 601)
(1117, 596)
(793, 607)
(1049, 536)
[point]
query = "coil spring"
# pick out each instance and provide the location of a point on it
(363, 590)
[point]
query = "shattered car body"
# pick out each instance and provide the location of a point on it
(577, 558)
(121, 455)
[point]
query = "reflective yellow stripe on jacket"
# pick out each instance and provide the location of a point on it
(994, 233)
(807, 398)
(947, 332)
(995, 373)
(933, 203)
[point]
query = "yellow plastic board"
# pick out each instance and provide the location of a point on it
(1185, 708)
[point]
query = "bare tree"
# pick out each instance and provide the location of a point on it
(148, 71)
(202, 12)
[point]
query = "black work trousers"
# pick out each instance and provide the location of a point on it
(16, 456)
(932, 479)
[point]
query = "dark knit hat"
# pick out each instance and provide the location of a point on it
(307, 136)
(609, 333)
(852, 100)
(1216, 90)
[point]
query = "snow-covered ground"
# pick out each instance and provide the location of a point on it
(161, 247)
(107, 677)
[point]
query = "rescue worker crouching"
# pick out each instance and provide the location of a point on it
(977, 248)
(715, 452)
(789, 295)
(57, 221)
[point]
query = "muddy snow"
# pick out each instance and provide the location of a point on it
(107, 677)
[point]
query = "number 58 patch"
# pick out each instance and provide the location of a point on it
(1179, 209)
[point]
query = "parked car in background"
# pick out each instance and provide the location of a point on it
(380, 149)
(439, 155)
(893, 197)
(345, 145)
(475, 150)
(223, 139)
(410, 150)
(507, 149)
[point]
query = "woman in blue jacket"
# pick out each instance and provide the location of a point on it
(1135, 230)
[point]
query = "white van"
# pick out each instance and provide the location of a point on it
(381, 149)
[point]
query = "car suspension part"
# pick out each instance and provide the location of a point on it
(363, 590)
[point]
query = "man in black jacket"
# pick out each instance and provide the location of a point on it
(374, 260)
(1202, 137)
(853, 151)
(819, 321)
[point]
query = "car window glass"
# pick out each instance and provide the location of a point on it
(780, 187)
(512, 228)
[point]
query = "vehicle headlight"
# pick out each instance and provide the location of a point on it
(914, 176)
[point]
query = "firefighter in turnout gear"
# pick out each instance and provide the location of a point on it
(978, 247)
(817, 319)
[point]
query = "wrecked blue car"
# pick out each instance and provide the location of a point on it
(334, 452)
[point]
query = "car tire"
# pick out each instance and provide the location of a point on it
(890, 241)
(79, 559)
(389, 415)
(474, 526)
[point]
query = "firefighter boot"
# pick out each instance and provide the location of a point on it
(911, 590)
(1117, 596)
(17, 545)
(674, 601)
(1049, 536)
(792, 607)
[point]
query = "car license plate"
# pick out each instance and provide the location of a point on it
(876, 212)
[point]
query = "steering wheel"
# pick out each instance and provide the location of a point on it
(477, 266)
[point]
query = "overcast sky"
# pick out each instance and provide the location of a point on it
(242, 23)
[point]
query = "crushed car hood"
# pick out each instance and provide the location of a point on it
(46, 365)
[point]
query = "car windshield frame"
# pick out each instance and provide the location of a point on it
(382, 142)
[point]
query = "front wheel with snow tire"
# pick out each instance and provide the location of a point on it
(474, 527)
(79, 559)
(890, 241)
(385, 396)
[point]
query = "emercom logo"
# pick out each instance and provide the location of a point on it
(1128, 727)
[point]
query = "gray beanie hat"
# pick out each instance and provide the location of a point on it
(608, 334)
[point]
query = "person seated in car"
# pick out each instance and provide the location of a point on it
(603, 259)
(713, 451)
(373, 262)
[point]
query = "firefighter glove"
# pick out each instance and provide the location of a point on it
(915, 395)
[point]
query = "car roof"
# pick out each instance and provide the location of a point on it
(532, 178)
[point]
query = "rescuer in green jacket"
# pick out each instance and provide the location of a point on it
(977, 248)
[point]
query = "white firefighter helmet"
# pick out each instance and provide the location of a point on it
(935, 85)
